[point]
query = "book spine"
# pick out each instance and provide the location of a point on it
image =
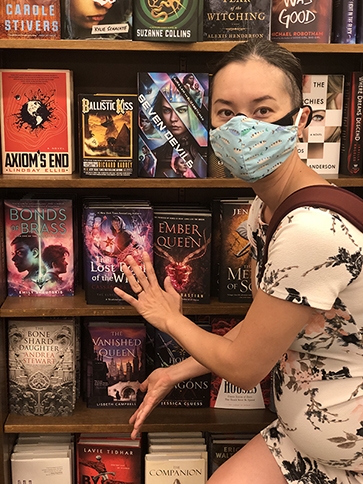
(344, 21)
(359, 30)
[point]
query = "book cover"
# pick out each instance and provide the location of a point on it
(97, 20)
(319, 146)
(234, 266)
(3, 281)
(114, 362)
(109, 461)
(220, 450)
(164, 469)
(192, 393)
(351, 154)
(180, 21)
(36, 108)
(173, 124)
(111, 232)
(301, 21)
(223, 393)
(55, 467)
(359, 28)
(344, 23)
(32, 19)
(232, 21)
(182, 251)
(107, 135)
(39, 241)
(42, 367)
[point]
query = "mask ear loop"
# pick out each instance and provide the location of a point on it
(298, 117)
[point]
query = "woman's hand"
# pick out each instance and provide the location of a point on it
(157, 385)
(156, 305)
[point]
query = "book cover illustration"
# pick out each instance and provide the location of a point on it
(177, 21)
(114, 362)
(42, 367)
(301, 21)
(182, 251)
(39, 242)
(173, 124)
(32, 19)
(344, 21)
(359, 27)
(102, 19)
(177, 469)
(111, 232)
(236, 21)
(36, 119)
(319, 146)
(234, 261)
(107, 135)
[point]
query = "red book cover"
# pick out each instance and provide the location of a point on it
(36, 118)
(39, 247)
(301, 22)
(30, 19)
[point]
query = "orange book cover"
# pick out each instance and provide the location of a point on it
(36, 109)
(30, 19)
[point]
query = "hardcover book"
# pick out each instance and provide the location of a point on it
(186, 469)
(173, 124)
(37, 121)
(351, 152)
(234, 260)
(220, 449)
(112, 231)
(301, 21)
(359, 28)
(42, 367)
(113, 362)
(97, 20)
(344, 21)
(319, 146)
(30, 20)
(180, 21)
(39, 240)
(233, 21)
(107, 135)
(182, 241)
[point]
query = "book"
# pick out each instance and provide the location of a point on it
(160, 469)
(36, 108)
(42, 366)
(3, 274)
(319, 146)
(113, 230)
(116, 461)
(182, 251)
(39, 241)
(223, 393)
(359, 28)
(99, 20)
(236, 22)
(344, 21)
(301, 21)
(221, 448)
(107, 135)
(30, 20)
(173, 124)
(191, 393)
(180, 21)
(234, 260)
(29, 468)
(113, 362)
(351, 152)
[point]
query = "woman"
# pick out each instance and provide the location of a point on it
(305, 320)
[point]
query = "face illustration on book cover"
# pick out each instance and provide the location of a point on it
(173, 125)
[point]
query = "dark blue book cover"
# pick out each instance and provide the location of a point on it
(344, 21)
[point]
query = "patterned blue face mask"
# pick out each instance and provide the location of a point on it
(253, 149)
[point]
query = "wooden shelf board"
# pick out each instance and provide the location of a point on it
(161, 419)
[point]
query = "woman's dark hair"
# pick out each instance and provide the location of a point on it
(273, 54)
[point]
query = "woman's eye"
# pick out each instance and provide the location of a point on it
(226, 113)
(262, 112)
(318, 118)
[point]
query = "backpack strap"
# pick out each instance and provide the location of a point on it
(334, 198)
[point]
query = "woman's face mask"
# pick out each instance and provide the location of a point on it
(253, 149)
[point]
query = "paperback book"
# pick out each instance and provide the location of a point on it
(97, 20)
(42, 367)
(113, 362)
(107, 135)
(36, 108)
(344, 21)
(111, 231)
(39, 242)
(232, 21)
(301, 21)
(182, 241)
(173, 124)
(319, 146)
(180, 21)
(30, 20)
(187, 469)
